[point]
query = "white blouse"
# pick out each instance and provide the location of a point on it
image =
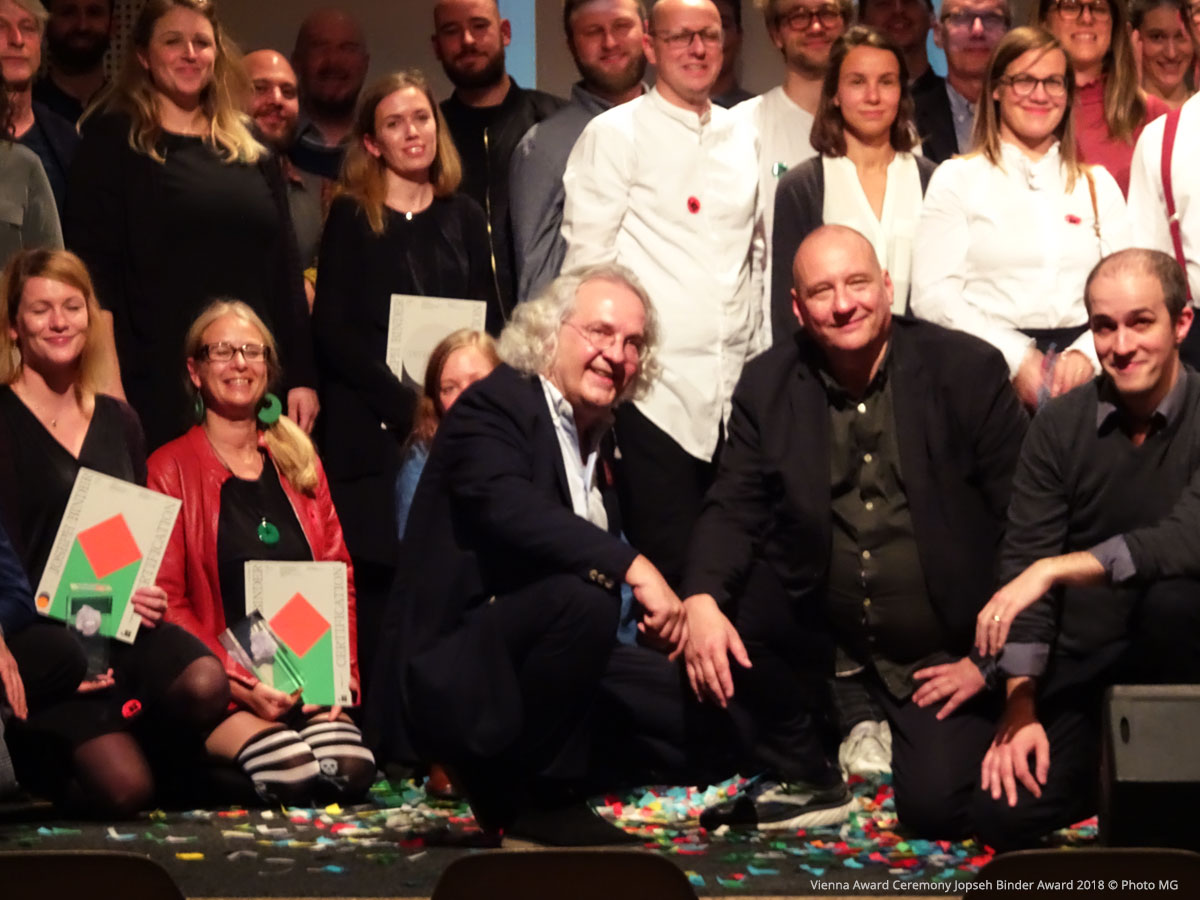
(893, 232)
(1001, 248)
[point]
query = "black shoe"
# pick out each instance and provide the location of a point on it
(781, 806)
(577, 825)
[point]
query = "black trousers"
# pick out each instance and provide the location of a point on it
(592, 714)
(783, 708)
(661, 490)
(1162, 647)
(781, 705)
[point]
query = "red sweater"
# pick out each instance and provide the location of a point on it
(1096, 146)
(189, 469)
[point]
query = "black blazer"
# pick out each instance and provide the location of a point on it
(935, 121)
(959, 429)
(492, 514)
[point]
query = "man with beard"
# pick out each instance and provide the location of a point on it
(803, 31)
(331, 61)
(968, 30)
(487, 114)
(906, 24)
(727, 92)
(666, 185)
(77, 37)
(275, 108)
(35, 125)
(605, 37)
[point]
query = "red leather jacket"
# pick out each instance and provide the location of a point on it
(189, 469)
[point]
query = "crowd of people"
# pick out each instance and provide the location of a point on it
(838, 430)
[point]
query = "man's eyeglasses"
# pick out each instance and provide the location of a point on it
(801, 19)
(965, 21)
(1024, 85)
(223, 351)
(681, 40)
(1073, 9)
(603, 338)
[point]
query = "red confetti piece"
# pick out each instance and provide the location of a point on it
(693, 205)
(618, 809)
(1073, 220)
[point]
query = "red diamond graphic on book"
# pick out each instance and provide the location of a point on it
(109, 546)
(299, 625)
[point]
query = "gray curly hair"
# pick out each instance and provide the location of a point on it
(529, 342)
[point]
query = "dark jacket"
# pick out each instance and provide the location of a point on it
(799, 210)
(486, 139)
(114, 220)
(959, 428)
(492, 515)
(935, 121)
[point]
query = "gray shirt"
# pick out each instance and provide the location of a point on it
(536, 190)
(28, 215)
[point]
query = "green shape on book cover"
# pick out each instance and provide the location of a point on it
(79, 570)
(317, 668)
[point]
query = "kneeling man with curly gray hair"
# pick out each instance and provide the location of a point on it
(500, 655)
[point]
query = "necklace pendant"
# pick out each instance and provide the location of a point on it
(408, 215)
(268, 533)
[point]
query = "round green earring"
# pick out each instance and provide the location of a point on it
(198, 409)
(270, 410)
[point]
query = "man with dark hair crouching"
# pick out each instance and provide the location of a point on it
(1102, 549)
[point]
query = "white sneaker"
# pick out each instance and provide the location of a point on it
(867, 750)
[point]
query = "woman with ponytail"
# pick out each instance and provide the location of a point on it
(253, 489)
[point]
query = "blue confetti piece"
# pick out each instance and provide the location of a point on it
(755, 870)
(811, 870)
(696, 880)
(852, 863)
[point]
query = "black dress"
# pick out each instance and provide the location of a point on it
(37, 474)
(162, 240)
(366, 410)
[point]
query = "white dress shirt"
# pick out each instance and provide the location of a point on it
(586, 499)
(1147, 205)
(1001, 248)
(893, 231)
(672, 195)
(784, 132)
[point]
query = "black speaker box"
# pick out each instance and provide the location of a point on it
(1150, 766)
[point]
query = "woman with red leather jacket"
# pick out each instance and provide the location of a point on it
(253, 489)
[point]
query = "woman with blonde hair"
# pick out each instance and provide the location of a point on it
(1109, 107)
(458, 361)
(1010, 232)
(173, 201)
(252, 488)
(79, 747)
(398, 226)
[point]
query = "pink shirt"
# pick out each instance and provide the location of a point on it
(1096, 145)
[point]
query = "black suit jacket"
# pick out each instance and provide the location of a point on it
(959, 428)
(492, 515)
(935, 121)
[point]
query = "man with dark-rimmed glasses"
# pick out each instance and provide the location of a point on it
(968, 31)
(667, 186)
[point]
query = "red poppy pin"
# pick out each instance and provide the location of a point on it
(131, 708)
(1073, 220)
(693, 205)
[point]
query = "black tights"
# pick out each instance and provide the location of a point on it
(112, 774)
